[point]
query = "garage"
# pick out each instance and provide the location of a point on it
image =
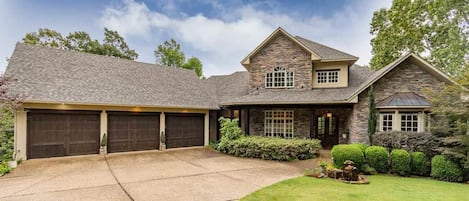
(54, 133)
(184, 130)
(135, 131)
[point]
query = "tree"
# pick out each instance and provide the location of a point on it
(437, 30)
(113, 44)
(371, 115)
(170, 54)
(194, 63)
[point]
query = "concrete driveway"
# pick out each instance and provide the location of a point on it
(185, 174)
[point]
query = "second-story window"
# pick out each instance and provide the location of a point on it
(328, 76)
(279, 78)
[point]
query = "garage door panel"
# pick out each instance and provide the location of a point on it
(184, 130)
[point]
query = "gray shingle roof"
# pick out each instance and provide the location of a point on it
(59, 76)
(230, 86)
(326, 53)
(357, 75)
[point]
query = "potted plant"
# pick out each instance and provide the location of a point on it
(162, 141)
(103, 149)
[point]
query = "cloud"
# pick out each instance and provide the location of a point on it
(222, 43)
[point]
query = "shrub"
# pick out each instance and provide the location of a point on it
(446, 170)
(367, 169)
(6, 145)
(377, 157)
(4, 168)
(400, 162)
(360, 146)
(229, 130)
(342, 152)
(419, 164)
(271, 148)
(411, 142)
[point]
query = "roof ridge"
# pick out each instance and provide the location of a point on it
(324, 46)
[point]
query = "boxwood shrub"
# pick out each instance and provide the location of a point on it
(360, 146)
(377, 157)
(342, 152)
(419, 164)
(400, 162)
(272, 148)
(446, 170)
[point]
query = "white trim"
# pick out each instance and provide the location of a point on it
(279, 78)
(278, 123)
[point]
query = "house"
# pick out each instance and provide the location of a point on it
(293, 87)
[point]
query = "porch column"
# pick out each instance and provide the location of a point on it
(206, 128)
(247, 121)
(103, 126)
(20, 143)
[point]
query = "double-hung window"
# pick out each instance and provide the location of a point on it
(278, 123)
(279, 78)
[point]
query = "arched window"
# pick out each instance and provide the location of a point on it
(279, 78)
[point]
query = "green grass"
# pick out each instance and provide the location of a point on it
(381, 188)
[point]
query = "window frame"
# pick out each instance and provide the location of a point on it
(327, 76)
(279, 123)
(279, 78)
(384, 119)
(406, 124)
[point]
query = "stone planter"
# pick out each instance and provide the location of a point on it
(103, 150)
(12, 164)
(162, 146)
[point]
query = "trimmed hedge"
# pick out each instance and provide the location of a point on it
(377, 157)
(446, 170)
(360, 146)
(418, 164)
(271, 148)
(400, 162)
(342, 152)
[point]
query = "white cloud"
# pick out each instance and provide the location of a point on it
(222, 44)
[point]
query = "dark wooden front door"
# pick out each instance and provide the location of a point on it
(133, 131)
(327, 130)
(184, 130)
(62, 133)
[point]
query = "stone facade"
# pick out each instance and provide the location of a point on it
(407, 77)
(280, 52)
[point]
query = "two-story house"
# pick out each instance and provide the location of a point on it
(293, 87)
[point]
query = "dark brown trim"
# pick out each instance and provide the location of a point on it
(133, 113)
(46, 111)
(327, 70)
(247, 120)
(184, 114)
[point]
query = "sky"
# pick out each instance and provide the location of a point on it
(219, 33)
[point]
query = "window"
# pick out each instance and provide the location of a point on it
(280, 78)
(279, 123)
(328, 76)
(409, 122)
(386, 121)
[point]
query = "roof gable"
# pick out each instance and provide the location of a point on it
(246, 61)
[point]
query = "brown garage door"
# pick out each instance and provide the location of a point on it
(184, 130)
(133, 131)
(62, 133)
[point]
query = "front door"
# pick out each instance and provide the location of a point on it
(327, 130)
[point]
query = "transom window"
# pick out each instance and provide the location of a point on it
(386, 120)
(278, 123)
(409, 122)
(280, 78)
(328, 76)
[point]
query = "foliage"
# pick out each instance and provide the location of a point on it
(381, 187)
(4, 168)
(446, 170)
(419, 164)
(271, 148)
(163, 137)
(371, 115)
(367, 169)
(170, 54)
(113, 44)
(195, 64)
(6, 134)
(229, 129)
(400, 162)
(342, 152)
(361, 146)
(104, 140)
(410, 141)
(437, 28)
(377, 157)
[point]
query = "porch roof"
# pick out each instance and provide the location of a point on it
(404, 99)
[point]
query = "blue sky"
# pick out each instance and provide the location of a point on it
(220, 33)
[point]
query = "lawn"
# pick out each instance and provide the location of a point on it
(381, 187)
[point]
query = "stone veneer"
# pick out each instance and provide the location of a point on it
(407, 77)
(280, 52)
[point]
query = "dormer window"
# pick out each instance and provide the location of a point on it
(279, 78)
(327, 76)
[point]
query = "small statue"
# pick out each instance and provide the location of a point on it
(350, 171)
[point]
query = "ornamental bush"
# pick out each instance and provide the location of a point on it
(445, 169)
(360, 146)
(229, 130)
(272, 148)
(400, 162)
(419, 164)
(342, 152)
(377, 157)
